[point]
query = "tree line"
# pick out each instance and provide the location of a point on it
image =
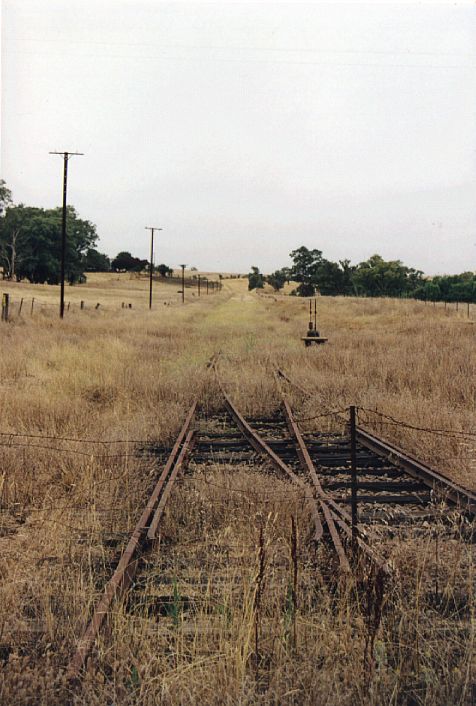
(30, 245)
(374, 277)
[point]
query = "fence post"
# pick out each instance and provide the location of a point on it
(21, 304)
(5, 305)
(353, 469)
(81, 306)
(468, 310)
(457, 304)
(32, 304)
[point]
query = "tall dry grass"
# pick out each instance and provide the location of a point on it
(126, 376)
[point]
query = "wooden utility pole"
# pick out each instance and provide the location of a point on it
(66, 156)
(151, 267)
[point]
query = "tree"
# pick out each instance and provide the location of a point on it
(30, 244)
(376, 278)
(255, 279)
(304, 269)
(95, 261)
(164, 271)
(5, 196)
(278, 279)
(125, 262)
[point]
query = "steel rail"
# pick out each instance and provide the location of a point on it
(338, 516)
(436, 481)
(126, 569)
(261, 447)
(433, 479)
(180, 464)
(307, 464)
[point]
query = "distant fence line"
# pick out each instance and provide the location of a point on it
(29, 305)
(441, 304)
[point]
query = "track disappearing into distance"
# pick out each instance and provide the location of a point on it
(396, 495)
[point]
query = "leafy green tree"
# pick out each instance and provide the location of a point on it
(30, 244)
(304, 269)
(164, 271)
(255, 279)
(95, 261)
(278, 279)
(125, 262)
(377, 277)
(5, 196)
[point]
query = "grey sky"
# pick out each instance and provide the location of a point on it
(246, 130)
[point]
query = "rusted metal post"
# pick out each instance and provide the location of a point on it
(198, 285)
(207, 285)
(5, 306)
(353, 470)
(315, 315)
(32, 304)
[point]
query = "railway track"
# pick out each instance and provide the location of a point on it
(396, 494)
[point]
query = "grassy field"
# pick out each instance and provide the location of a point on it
(117, 378)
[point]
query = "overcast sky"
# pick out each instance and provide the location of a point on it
(245, 130)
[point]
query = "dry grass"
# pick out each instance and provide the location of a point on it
(66, 507)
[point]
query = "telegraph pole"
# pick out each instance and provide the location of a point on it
(151, 228)
(66, 156)
(183, 283)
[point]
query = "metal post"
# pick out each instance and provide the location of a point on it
(198, 285)
(353, 469)
(207, 285)
(32, 304)
(183, 283)
(468, 310)
(315, 315)
(66, 156)
(21, 304)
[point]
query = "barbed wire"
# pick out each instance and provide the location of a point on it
(78, 440)
(398, 422)
(334, 413)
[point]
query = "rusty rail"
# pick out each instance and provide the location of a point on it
(308, 465)
(434, 480)
(126, 569)
(255, 440)
(464, 499)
